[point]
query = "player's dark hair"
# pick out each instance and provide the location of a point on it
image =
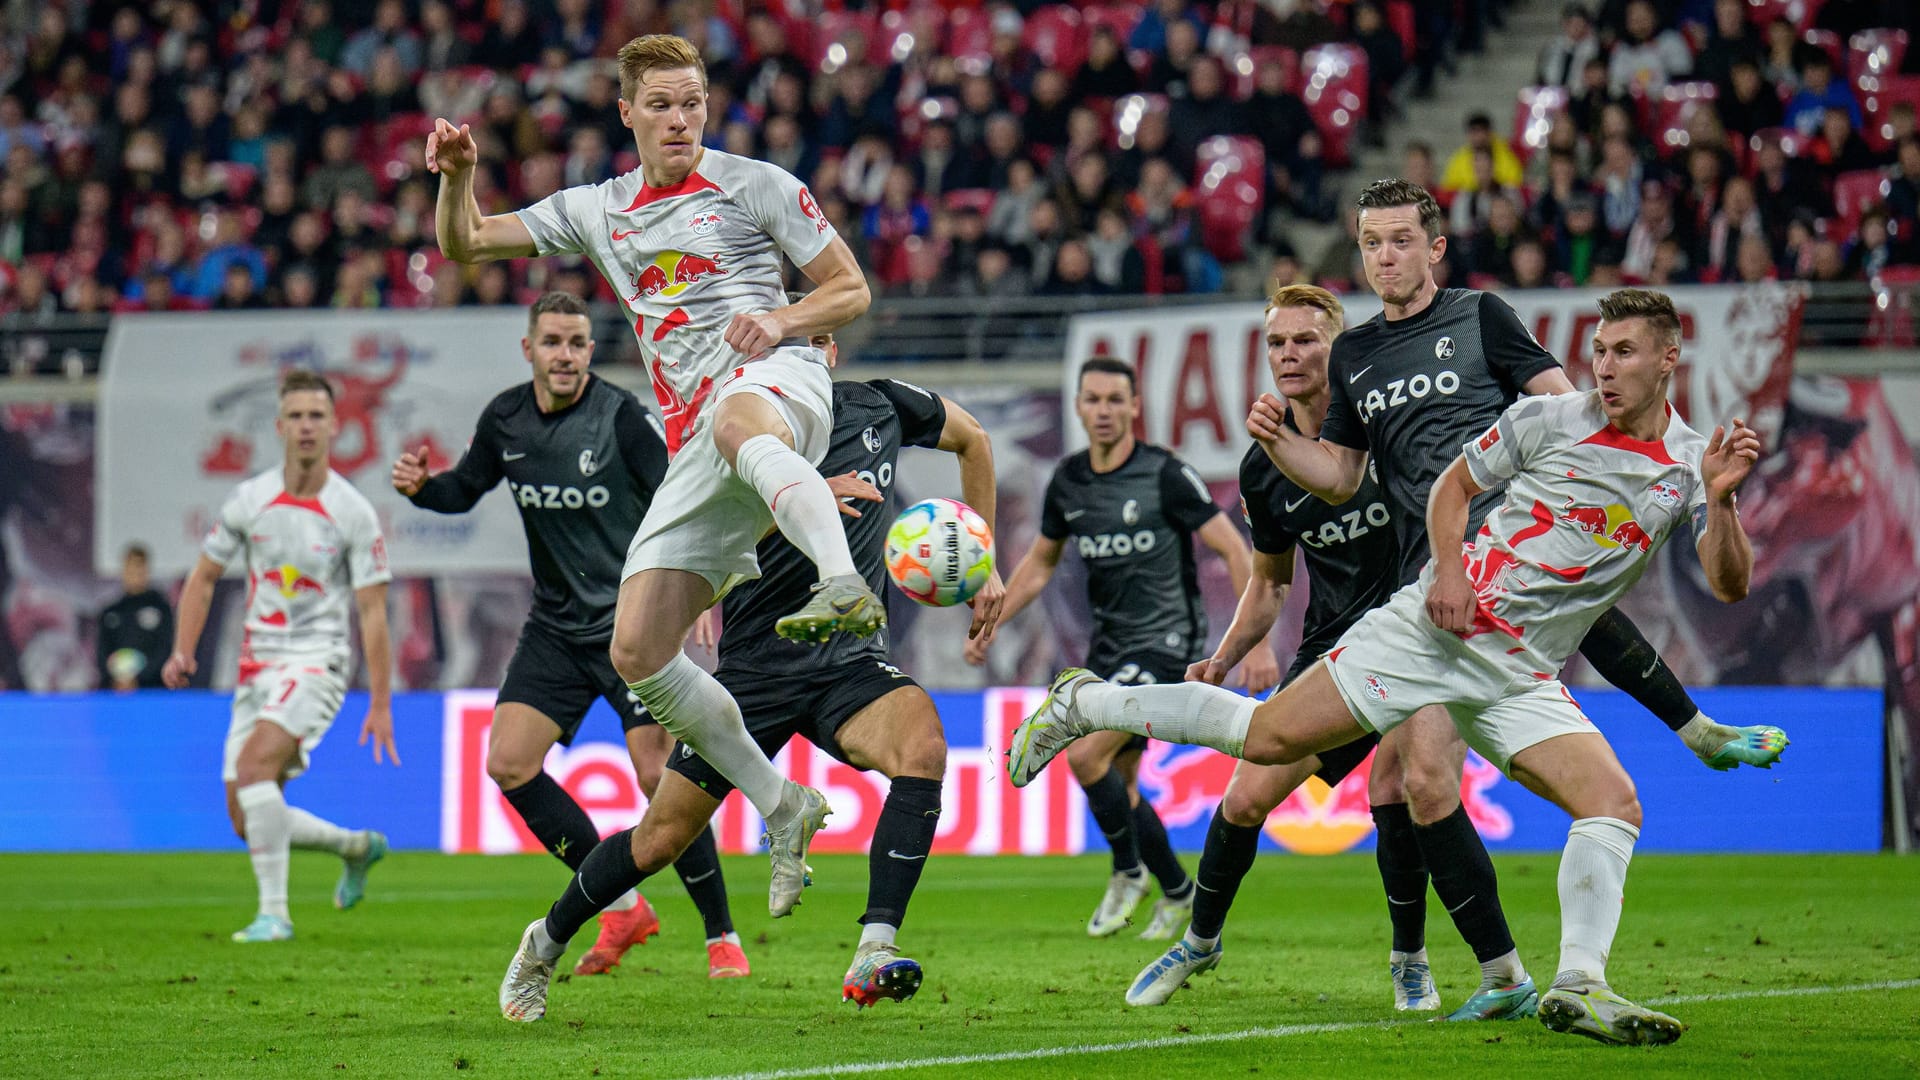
(554, 303)
(1655, 307)
(298, 379)
(136, 551)
(1389, 193)
(1108, 365)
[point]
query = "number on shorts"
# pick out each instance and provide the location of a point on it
(286, 691)
(1132, 675)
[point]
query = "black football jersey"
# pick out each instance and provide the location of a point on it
(871, 422)
(1412, 391)
(1133, 528)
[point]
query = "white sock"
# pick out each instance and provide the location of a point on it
(877, 931)
(627, 901)
(544, 946)
(1417, 956)
(264, 810)
(729, 937)
(1705, 737)
(1192, 713)
(1503, 970)
(1593, 881)
(1197, 943)
(802, 503)
(697, 710)
(310, 833)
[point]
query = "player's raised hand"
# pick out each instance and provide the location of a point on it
(848, 485)
(451, 151)
(1212, 671)
(976, 650)
(1729, 459)
(986, 606)
(410, 472)
(1264, 418)
(706, 629)
(753, 335)
(379, 727)
(1258, 671)
(1450, 599)
(177, 670)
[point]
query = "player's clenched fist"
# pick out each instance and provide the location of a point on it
(450, 150)
(1263, 420)
(410, 472)
(177, 670)
(752, 335)
(1450, 599)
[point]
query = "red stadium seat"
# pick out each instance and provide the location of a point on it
(1853, 193)
(980, 199)
(1335, 96)
(1057, 37)
(1875, 52)
(854, 31)
(1788, 139)
(970, 37)
(1120, 18)
(1878, 96)
(1828, 42)
(902, 32)
(1401, 19)
(1674, 108)
(1533, 115)
(1244, 68)
(1230, 174)
(1798, 12)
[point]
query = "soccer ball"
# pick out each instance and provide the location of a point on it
(939, 552)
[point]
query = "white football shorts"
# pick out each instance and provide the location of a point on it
(299, 694)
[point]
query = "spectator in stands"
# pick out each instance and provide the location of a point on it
(1700, 198)
(994, 276)
(1564, 58)
(1001, 150)
(864, 171)
(1872, 250)
(1170, 69)
(136, 630)
(1045, 236)
(1748, 104)
(1820, 91)
(576, 28)
(1010, 62)
(1206, 111)
(1386, 62)
(1786, 56)
(1416, 166)
(1163, 206)
(1073, 272)
(887, 224)
(1786, 186)
(1547, 208)
(966, 235)
(1459, 175)
(1582, 244)
(1047, 112)
(1590, 100)
(1732, 40)
(1117, 263)
(1490, 250)
(510, 39)
(321, 32)
(1848, 17)
(1654, 223)
(230, 249)
(1617, 179)
(939, 167)
(1106, 73)
(1527, 266)
(785, 146)
(979, 104)
(1086, 193)
(441, 45)
(1648, 57)
(1737, 219)
(238, 290)
(1275, 114)
(1287, 268)
(1150, 33)
(1826, 264)
(1473, 205)
(1086, 137)
(339, 170)
(389, 31)
(1903, 189)
(1839, 148)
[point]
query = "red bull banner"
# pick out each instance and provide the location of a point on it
(187, 405)
(1201, 367)
(1797, 806)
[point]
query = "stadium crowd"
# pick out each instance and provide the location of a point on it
(175, 154)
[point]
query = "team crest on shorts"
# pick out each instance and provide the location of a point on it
(1376, 688)
(704, 222)
(1666, 493)
(870, 438)
(1443, 349)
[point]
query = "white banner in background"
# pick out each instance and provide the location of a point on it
(1201, 367)
(187, 404)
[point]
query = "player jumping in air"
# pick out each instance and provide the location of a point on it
(1591, 485)
(1132, 510)
(581, 458)
(846, 698)
(310, 541)
(692, 241)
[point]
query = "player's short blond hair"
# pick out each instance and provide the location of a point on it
(299, 379)
(656, 52)
(1655, 307)
(1309, 296)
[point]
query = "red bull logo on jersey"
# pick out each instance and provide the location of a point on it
(1611, 526)
(672, 273)
(291, 582)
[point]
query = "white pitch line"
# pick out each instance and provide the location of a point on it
(1279, 1032)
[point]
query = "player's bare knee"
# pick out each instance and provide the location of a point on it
(1243, 808)
(509, 770)
(646, 772)
(636, 655)
(254, 768)
(924, 755)
(1431, 794)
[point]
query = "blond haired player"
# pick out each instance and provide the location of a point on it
(1593, 484)
(692, 241)
(313, 553)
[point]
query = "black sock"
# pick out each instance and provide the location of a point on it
(1622, 656)
(1107, 798)
(1403, 874)
(606, 874)
(553, 817)
(1464, 880)
(1157, 852)
(901, 841)
(699, 870)
(1225, 861)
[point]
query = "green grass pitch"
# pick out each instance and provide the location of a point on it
(119, 966)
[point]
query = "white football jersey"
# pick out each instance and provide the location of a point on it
(1586, 507)
(686, 259)
(305, 557)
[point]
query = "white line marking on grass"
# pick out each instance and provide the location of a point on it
(1280, 1032)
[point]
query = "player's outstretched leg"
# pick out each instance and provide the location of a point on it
(1623, 656)
(1052, 727)
(358, 849)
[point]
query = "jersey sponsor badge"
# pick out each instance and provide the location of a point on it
(1488, 440)
(1666, 493)
(704, 222)
(812, 210)
(1443, 349)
